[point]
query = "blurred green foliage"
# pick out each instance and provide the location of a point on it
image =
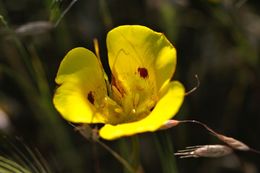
(216, 39)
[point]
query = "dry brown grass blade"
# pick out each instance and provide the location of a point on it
(231, 142)
(204, 151)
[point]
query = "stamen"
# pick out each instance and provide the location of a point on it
(136, 99)
(133, 111)
(118, 110)
(117, 87)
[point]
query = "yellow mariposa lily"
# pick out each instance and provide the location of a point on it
(141, 96)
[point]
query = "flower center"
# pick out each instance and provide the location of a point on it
(132, 102)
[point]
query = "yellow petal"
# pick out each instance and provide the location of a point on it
(137, 50)
(165, 109)
(82, 87)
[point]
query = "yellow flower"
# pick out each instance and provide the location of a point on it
(141, 96)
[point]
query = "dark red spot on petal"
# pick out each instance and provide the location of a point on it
(91, 97)
(143, 72)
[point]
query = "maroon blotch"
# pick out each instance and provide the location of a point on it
(91, 97)
(143, 72)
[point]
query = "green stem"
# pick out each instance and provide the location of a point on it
(3, 21)
(165, 150)
(117, 156)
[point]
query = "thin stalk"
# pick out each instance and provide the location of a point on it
(64, 12)
(117, 156)
(129, 149)
(105, 14)
(164, 147)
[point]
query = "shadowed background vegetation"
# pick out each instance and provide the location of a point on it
(216, 39)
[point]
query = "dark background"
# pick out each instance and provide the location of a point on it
(216, 39)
